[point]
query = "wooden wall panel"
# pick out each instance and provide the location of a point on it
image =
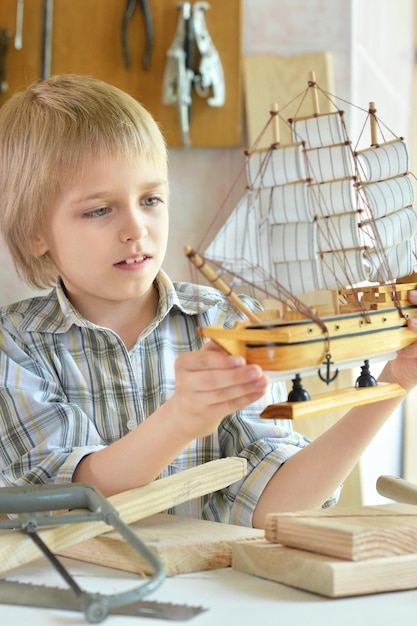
(87, 40)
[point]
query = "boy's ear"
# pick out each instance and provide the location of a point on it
(39, 246)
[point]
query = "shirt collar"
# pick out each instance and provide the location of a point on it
(54, 313)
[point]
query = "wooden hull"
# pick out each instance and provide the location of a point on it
(300, 346)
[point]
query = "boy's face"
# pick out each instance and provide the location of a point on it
(107, 234)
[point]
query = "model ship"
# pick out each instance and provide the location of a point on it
(320, 216)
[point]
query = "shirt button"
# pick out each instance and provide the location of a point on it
(131, 424)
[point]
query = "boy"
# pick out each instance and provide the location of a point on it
(104, 380)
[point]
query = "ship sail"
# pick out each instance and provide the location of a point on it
(318, 215)
(387, 195)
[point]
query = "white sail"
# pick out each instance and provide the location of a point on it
(330, 163)
(384, 160)
(390, 222)
(295, 241)
(300, 276)
(394, 228)
(387, 196)
(285, 203)
(283, 164)
(333, 197)
(232, 247)
(400, 262)
(319, 130)
(318, 215)
(337, 268)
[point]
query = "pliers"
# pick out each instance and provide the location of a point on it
(130, 7)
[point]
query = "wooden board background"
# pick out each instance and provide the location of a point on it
(87, 40)
(280, 79)
(183, 544)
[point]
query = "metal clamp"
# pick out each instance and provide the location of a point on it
(180, 74)
(210, 72)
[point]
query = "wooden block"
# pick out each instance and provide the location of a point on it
(353, 533)
(183, 544)
(322, 574)
(279, 79)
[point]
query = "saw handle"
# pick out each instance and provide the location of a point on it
(36, 498)
(397, 489)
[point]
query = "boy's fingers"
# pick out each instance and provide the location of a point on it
(222, 376)
(210, 357)
(412, 296)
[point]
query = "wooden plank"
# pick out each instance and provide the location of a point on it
(279, 79)
(183, 544)
(322, 574)
(353, 533)
(332, 400)
(133, 505)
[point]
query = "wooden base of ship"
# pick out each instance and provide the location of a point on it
(333, 400)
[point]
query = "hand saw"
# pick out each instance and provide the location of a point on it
(160, 495)
(76, 497)
(39, 596)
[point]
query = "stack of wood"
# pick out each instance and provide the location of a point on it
(338, 552)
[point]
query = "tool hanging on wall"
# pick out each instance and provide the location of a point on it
(18, 37)
(86, 504)
(180, 74)
(130, 7)
(47, 23)
(209, 77)
(4, 45)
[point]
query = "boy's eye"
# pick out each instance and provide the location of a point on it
(151, 201)
(103, 210)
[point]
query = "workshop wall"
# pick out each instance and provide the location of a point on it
(129, 50)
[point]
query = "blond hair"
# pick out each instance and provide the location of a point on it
(47, 132)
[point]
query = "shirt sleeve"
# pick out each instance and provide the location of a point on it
(266, 445)
(42, 436)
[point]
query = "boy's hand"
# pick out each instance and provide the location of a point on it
(403, 370)
(210, 384)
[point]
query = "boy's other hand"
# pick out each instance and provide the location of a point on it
(210, 384)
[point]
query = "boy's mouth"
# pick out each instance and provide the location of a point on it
(134, 260)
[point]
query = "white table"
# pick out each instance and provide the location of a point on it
(231, 599)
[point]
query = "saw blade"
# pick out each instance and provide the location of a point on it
(42, 596)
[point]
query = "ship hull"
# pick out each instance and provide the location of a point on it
(292, 346)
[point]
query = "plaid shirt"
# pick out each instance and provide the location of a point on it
(69, 387)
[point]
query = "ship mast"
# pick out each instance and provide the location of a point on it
(220, 284)
(275, 124)
(313, 91)
(374, 125)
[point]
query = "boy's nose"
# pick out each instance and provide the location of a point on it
(133, 227)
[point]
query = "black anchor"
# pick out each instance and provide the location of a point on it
(328, 378)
